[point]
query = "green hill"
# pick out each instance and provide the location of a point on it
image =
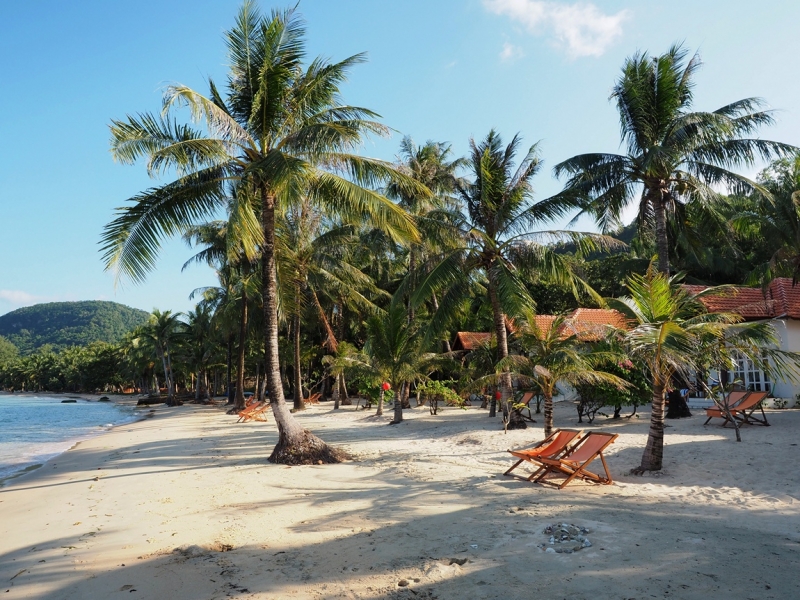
(63, 324)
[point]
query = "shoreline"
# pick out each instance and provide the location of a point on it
(185, 505)
(78, 439)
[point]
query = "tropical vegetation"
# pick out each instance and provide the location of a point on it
(340, 275)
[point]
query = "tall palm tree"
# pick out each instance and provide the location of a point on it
(549, 354)
(674, 154)
(281, 131)
(497, 242)
(673, 334)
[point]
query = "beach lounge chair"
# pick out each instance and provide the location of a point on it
(255, 412)
(575, 462)
(734, 398)
(313, 398)
(552, 446)
(743, 410)
(526, 400)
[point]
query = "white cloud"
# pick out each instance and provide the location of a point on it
(581, 27)
(18, 297)
(510, 52)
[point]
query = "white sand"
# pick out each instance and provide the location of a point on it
(105, 519)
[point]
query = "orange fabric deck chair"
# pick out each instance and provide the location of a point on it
(743, 411)
(552, 446)
(734, 399)
(254, 412)
(575, 462)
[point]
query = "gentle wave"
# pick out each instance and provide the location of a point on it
(34, 429)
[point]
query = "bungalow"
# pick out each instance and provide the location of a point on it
(780, 302)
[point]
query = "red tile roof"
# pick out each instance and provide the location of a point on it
(592, 324)
(781, 299)
(469, 340)
(589, 324)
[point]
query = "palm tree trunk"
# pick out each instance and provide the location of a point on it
(298, 376)
(295, 444)
(229, 391)
(197, 385)
(405, 393)
(379, 412)
(398, 403)
(548, 413)
(662, 242)
(166, 376)
(446, 341)
(653, 456)
(258, 380)
(512, 417)
(238, 403)
(336, 392)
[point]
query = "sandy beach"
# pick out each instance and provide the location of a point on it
(184, 505)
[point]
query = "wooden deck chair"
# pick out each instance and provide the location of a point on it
(733, 400)
(553, 446)
(745, 409)
(575, 462)
(526, 400)
(254, 412)
(313, 398)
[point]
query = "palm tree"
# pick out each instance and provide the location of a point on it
(393, 353)
(312, 266)
(674, 155)
(549, 354)
(199, 345)
(673, 334)
(774, 227)
(163, 329)
(497, 242)
(231, 247)
(282, 132)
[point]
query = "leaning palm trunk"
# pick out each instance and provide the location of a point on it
(653, 456)
(295, 444)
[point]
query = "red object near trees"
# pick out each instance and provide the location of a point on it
(385, 386)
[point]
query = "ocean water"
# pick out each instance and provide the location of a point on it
(34, 429)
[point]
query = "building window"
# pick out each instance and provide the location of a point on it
(750, 376)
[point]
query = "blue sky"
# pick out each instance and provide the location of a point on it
(444, 70)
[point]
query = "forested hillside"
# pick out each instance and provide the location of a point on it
(63, 324)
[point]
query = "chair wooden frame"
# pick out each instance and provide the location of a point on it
(575, 462)
(254, 412)
(553, 446)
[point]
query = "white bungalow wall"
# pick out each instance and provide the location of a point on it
(789, 331)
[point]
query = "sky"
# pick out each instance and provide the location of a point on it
(446, 71)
